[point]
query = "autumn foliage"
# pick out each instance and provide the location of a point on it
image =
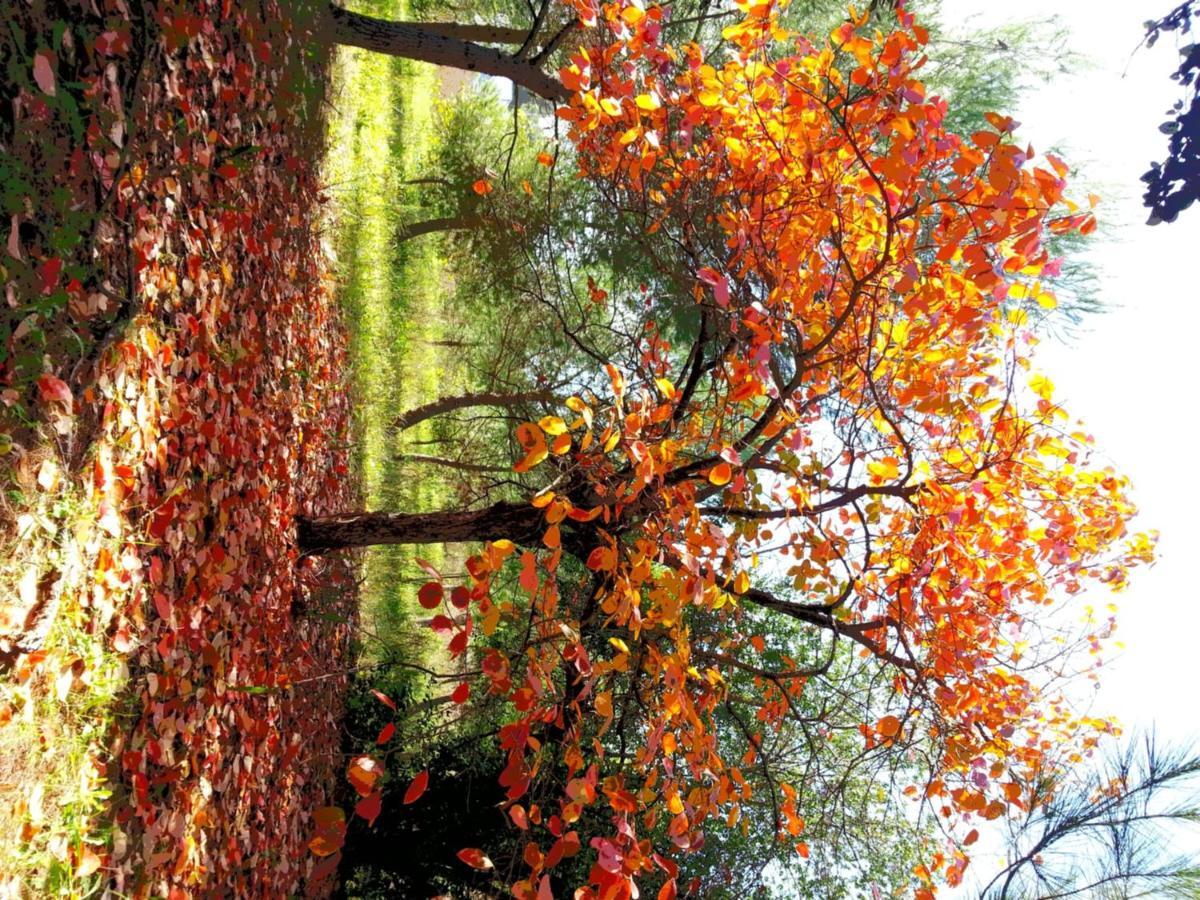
(855, 441)
(212, 424)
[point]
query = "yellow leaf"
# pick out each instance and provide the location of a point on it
(619, 644)
(648, 102)
(1042, 386)
(610, 106)
(886, 468)
(552, 425)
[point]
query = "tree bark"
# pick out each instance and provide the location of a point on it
(414, 41)
(478, 34)
(464, 401)
(445, 223)
(519, 522)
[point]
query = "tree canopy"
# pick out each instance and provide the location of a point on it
(845, 465)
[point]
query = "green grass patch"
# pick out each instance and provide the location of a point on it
(393, 295)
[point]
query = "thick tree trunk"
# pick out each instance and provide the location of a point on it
(519, 522)
(445, 223)
(414, 41)
(478, 34)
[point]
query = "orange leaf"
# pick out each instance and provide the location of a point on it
(720, 474)
(482, 187)
(363, 772)
(889, 726)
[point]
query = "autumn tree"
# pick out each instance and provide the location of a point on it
(850, 446)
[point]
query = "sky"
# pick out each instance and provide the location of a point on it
(1130, 375)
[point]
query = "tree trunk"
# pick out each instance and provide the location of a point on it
(445, 223)
(465, 401)
(478, 34)
(519, 522)
(413, 41)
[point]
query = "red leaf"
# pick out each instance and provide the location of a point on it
(417, 788)
(461, 693)
(43, 71)
(229, 170)
(459, 643)
(386, 733)
(54, 389)
(48, 272)
(441, 623)
(162, 519)
(384, 699)
(369, 807)
(667, 891)
(475, 858)
(460, 597)
(430, 595)
(162, 605)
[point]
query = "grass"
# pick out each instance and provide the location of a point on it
(393, 296)
(58, 704)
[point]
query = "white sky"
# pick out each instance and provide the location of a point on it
(1131, 375)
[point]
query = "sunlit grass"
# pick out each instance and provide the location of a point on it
(393, 296)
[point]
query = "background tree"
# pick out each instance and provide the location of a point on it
(1174, 184)
(1109, 829)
